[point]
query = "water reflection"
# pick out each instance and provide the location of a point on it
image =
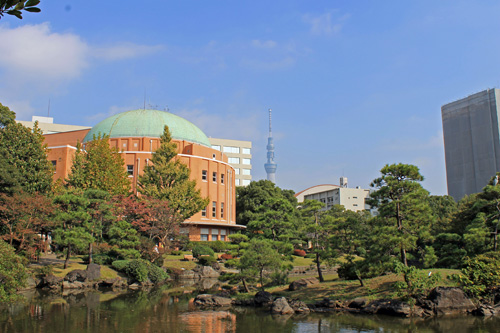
(167, 310)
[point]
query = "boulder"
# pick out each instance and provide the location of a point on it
(485, 310)
(205, 272)
(76, 275)
(93, 272)
(302, 283)
(448, 300)
(281, 306)
(50, 281)
(212, 300)
(388, 307)
(299, 306)
(31, 283)
(263, 298)
(329, 303)
(357, 303)
(73, 285)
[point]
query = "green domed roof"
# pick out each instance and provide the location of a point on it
(148, 123)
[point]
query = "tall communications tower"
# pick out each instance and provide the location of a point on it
(270, 165)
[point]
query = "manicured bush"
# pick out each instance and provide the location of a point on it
(140, 270)
(120, 265)
(176, 252)
(156, 274)
(226, 256)
(480, 274)
(199, 250)
(206, 260)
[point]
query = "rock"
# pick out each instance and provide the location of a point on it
(357, 303)
(281, 306)
(73, 285)
(212, 300)
(448, 300)
(93, 272)
(388, 307)
(50, 281)
(302, 283)
(206, 272)
(329, 303)
(31, 283)
(134, 285)
(76, 275)
(299, 306)
(263, 298)
(485, 310)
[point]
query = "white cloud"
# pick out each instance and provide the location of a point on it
(125, 51)
(285, 62)
(95, 118)
(268, 44)
(33, 52)
(325, 24)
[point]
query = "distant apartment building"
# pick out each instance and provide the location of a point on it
(351, 198)
(46, 124)
(239, 155)
(471, 142)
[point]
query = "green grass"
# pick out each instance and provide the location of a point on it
(333, 288)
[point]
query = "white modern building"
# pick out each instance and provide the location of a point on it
(239, 155)
(351, 198)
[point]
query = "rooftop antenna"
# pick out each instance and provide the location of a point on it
(144, 99)
(48, 109)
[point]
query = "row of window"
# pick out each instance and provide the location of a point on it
(215, 235)
(214, 210)
(243, 182)
(204, 176)
(236, 160)
(232, 150)
(246, 172)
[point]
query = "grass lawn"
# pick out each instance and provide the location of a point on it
(333, 288)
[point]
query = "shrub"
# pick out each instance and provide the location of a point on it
(200, 250)
(226, 256)
(138, 270)
(176, 252)
(156, 274)
(416, 283)
(101, 259)
(206, 260)
(120, 265)
(480, 274)
(311, 256)
(299, 253)
(12, 272)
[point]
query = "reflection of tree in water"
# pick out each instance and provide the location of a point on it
(162, 310)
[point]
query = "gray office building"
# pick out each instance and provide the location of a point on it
(471, 142)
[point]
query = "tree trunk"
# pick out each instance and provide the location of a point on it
(90, 252)
(403, 256)
(66, 262)
(245, 286)
(318, 266)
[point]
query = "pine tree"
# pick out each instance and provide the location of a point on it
(24, 156)
(99, 167)
(167, 179)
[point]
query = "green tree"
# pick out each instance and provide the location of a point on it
(25, 159)
(99, 167)
(12, 273)
(260, 258)
(167, 179)
(250, 199)
(403, 210)
(6, 115)
(15, 7)
(74, 231)
(274, 220)
(126, 239)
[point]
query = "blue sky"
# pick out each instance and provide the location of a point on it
(353, 85)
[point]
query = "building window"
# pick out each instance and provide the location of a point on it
(246, 151)
(204, 175)
(204, 212)
(237, 182)
(204, 234)
(237, 171)
(223, 238)
(233, 150)
(245, 182)
(215, 233)
(130, 169)
(233, 160)
(246, 172)
(214, 209)
(355, 205)
(354, 197)
(223, 234)
(214, 177)
(246, 161)
(221, 210)
(222, 178)
(216, 147)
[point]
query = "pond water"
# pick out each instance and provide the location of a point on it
(170, 310)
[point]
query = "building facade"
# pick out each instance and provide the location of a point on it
(351, 198)
(471, 142)
(136, 135)
(239, 156)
